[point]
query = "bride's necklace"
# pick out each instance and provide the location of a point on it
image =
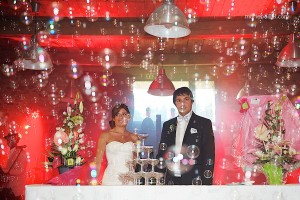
(120, 132)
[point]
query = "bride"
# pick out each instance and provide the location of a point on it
(118, 144)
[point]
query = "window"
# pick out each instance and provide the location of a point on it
(204, 104)
(159, 105)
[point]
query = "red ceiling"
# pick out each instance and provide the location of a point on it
(143, 8)
(133, 11)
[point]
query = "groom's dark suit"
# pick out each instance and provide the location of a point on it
(198, 132)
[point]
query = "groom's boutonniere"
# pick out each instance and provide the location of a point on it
(193, 130)
(172, 128)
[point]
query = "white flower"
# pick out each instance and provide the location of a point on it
(70, 124)
(79, 130)
(275, 139)
(69, 149)
(64, 151)
(78, 160)
(75, 148)
(277, 107)
(81, 135)
(81, 141)
(71, 135)
(261, 132)
(259, 154)
(292, 151)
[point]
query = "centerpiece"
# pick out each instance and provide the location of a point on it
(274, 154)
(69, 138)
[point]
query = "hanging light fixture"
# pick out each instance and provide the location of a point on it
(167, 21)
(161, 86)
(35, 57)
(290, 54)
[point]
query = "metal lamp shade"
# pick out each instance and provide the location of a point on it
(290, 54)
(35, 58)
(167, 21)
(161, 86)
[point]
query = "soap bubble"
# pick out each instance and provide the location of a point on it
(193, 151)
(107, 58)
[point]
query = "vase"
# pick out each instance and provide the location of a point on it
(273, 173)
(62, 169)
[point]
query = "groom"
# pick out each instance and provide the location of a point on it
(187, 145)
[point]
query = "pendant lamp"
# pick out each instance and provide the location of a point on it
(35, 57)
(167, 21)
(161, 86)
(290, 54)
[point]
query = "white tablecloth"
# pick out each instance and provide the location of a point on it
(235, 192)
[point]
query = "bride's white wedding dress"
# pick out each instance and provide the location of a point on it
(117, 155)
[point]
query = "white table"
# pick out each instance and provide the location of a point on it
(235, 192)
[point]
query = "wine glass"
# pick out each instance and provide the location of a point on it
(131, 164)
(148, 150)
(153, 163)
(142, 162)
(137, 178)
(124, 178)
(137, 150)
(159, 178)
(142, 137)
(150, 178)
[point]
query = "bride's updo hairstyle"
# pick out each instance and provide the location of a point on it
(115, 111)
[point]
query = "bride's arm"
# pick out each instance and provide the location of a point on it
(102, 141)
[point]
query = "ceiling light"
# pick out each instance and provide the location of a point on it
(290, 54)
(36, 57)
(167, 21)
(161, 86)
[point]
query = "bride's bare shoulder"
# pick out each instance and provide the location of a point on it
(104, 136)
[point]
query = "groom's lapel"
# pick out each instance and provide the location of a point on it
(173, 134)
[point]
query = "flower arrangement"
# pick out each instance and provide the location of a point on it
(274, 153)
(69, 138)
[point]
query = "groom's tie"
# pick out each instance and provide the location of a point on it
(180, 118)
